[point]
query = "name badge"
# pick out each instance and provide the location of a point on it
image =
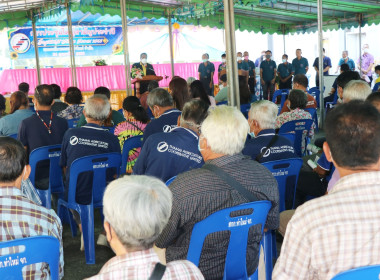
(301, 65)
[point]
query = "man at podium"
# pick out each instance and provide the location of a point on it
(147, 70)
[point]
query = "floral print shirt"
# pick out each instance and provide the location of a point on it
(72, 112)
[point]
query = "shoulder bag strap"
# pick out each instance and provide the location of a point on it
(158, 272)
(134, 125)
(231, 181)
(270, 144)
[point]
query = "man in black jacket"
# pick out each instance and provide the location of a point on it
(147, 70)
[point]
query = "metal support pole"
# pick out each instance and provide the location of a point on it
(35, 41)
(283, 36)
(320, 64)
(71, 46)
(171, 42)
(232, 69)
(124, 22)
(360, 42)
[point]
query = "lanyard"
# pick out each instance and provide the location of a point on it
(51, 119)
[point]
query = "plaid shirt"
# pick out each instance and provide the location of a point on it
(334, 233)
(20, 218)
(199, 193)
(140, 265)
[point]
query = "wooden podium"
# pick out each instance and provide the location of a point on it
(146, 79)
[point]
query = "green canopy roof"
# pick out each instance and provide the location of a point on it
(266, 16)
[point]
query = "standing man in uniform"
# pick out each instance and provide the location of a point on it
(326, 66)
(206, 74)
(285, 73)
(268, 75)
(251, 73)
(366, 65)
(222, 66)
(146, 68)
(300, 64)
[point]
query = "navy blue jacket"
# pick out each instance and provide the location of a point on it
(165, 155)
(282, 148)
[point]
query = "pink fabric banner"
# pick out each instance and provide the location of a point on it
(90, 78)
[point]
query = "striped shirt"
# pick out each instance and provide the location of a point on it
(199, 193)
(334, 233)
(140, 265)
(20, 218)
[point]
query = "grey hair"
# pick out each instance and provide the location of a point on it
(190, 80)
(225, 130)
(356, 90)
(265, 113)
(97, 107)
(137, 208)
(159, 97)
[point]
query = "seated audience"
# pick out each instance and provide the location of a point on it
(179, 90)
(343, 79)
(19, 111)
(2, 106)
(223, 134)
(222, 95)
(339, 231)
(24, 87)
(74, 98)
(300, 82)
(334, 90)
(165, 155)
(113, 119)
(244, 92)
(136, 209)
(161, 104)
(44, 128)
(297, 103)
(136, 121)
(264, 144)
(58, 105)
(20, 217)
(197, 91)
(356, 90)
(376, 86)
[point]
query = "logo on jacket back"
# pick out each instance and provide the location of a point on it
(162, 147)
(167, 128)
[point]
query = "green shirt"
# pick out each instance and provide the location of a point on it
(117, 118)
(222, 95)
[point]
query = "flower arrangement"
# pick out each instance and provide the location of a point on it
(100, 62)
(137, 73)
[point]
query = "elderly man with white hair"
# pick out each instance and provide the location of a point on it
(136, 210)
(264, 144)
(200, 192)
(88, 140)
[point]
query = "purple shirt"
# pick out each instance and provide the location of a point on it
(334, 179)
(367, 60)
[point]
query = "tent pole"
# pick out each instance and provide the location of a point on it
(283, 36)
(125, 47)
(321, 82)
(35, 41)
(360, 43)
(171, 42)
(232, 70)
(71, 45)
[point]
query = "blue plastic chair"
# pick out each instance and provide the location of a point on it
(376, 87)
(235, 264)
(37, 249)
(73, 122)
(244, 108)
(222, 103)
(281, 170)
(53, 154)
(290, 136)
(129, 144)
(14, 136)
(297, 127)
(371, 272)
(168, 182)
(283, 93)
(98, 164)
(313, 113)
(314, 91)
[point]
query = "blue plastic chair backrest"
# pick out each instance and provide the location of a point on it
(283, 93)
(129, 144)
(14, 136)
(290, 136)
(239, 225)
(376, 87)
(244, 108)
(371, 272)
(33, 250)
(72, 122)
(222, 103)
(53, 154)
(314, 115)
(168, 182)
(98, 164)
(281, 170)
(297, 127)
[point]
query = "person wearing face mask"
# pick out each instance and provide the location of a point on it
(206, 72)
(223, 66)
(20, 216)
(264, 144)
(285, 73)
(346, 60)
(222, 95)
(147, 70)
(268, 71)
(161, 104)
(326, 67)
(251, 73)
(366, 64)
(242, 65)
